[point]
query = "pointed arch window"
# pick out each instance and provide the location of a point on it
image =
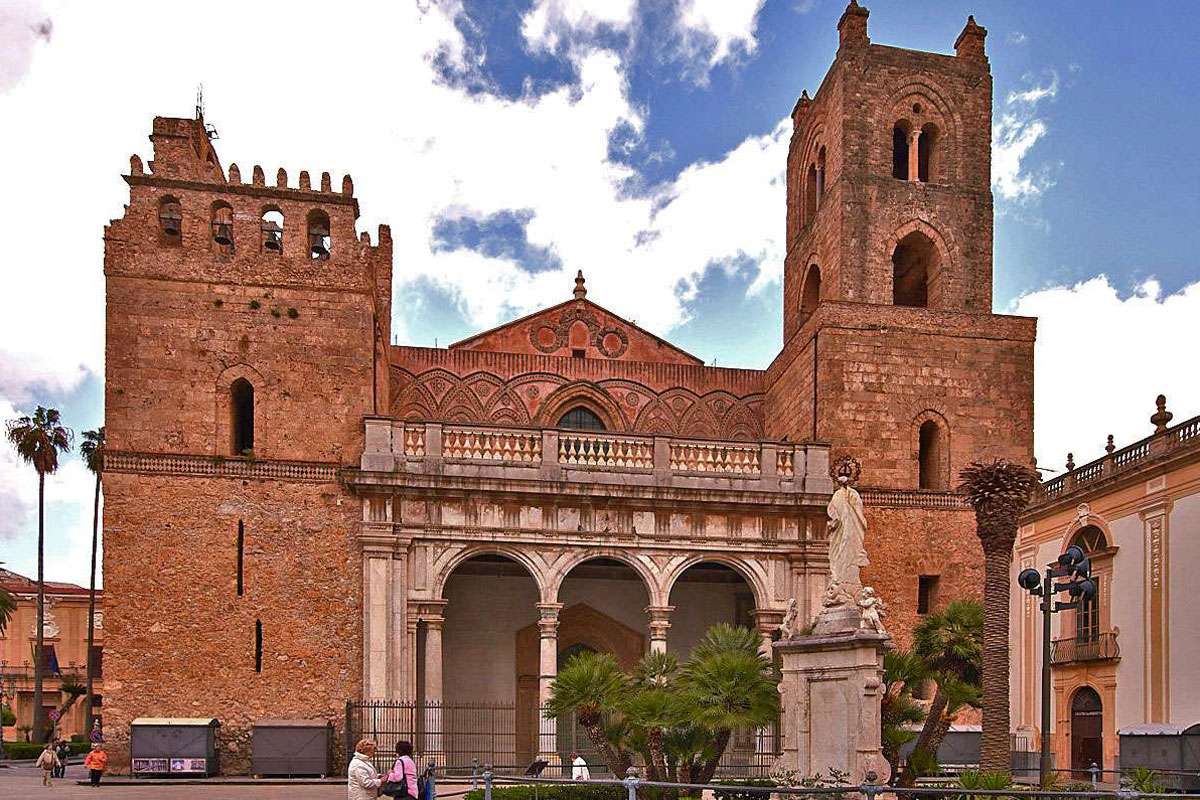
(320, 242)
(170, 220)
(927, 152)
(222, 226)
(272, 230)
(581, 418)
(241, 396)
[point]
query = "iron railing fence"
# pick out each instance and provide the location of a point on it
(633, 788)
(456, 736)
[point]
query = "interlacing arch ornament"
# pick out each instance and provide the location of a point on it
(540, 399)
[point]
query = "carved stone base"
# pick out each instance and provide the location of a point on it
(835, 620)
(830, 695)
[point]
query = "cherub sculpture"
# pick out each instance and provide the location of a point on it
(873, 611)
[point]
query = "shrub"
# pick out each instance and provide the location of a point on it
(1144, 780)
(746, 793)
(293, 313)
(255, 305)
(27, 751)
(7, 717)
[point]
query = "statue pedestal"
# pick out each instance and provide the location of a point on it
(830, 696)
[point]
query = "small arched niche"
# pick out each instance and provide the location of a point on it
(900, 134)
(241, 409)
(933, 456)
(271, 225)
(810, 293)
(915, 270)
(222, 226)
(927, 152)
(320, 241)
(170, 221)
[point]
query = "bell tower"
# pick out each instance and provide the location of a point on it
(890, 347)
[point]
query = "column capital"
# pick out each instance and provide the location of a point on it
(431, 612)
(548, 610)
(548, 619)
(660, 622)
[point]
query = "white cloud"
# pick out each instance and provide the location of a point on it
(23, 24)
(1017, 37)
(551, 23)
(1102, 358)
(1014, 135)
(419, 147)
(706, 32)
(720, 28)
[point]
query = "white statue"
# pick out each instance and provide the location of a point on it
(847, 528)
(787, 628)
(49, 623)
(873, 611)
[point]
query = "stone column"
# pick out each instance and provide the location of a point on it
(766, 622)
(547, 744)
(914, 158)
(830, 694)
(377, 611)
(435, 720)
(660, 623)
(402, 651)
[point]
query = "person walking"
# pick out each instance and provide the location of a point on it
(47, 762)
(402, 780)
(96, 762)
(63, 751)
(362, 779)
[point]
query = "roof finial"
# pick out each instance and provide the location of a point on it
(580, 290)
(1162, 417)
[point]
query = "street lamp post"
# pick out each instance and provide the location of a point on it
(1077, 569)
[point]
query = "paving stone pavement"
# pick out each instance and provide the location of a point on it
(25, 783)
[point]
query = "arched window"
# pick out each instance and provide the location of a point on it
(222, 226)
(581, 418)
(272, 230)
(810, 194)
(320, 244)
(915, 263)
(933, 458)
(170, 220)
(1087, 617)
(926, 153)
(900, 150)
(810, 293)
(241, 404)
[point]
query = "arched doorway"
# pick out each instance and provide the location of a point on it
(1087, 731)
(489, 598)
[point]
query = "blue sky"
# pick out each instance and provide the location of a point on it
(510, 142)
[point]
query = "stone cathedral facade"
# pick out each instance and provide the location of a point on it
(298, 513)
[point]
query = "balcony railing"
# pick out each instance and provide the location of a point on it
(1101, 647)
(482, 451)
(1127, 459)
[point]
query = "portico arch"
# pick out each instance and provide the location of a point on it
(756, 580)
(511, 552)
(555, 580)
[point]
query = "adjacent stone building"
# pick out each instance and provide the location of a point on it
(64, 659)
(300, 514)
(1123, 663)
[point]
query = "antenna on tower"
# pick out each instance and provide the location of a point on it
(200, 101)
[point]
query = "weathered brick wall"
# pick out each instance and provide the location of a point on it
(180, 641)
(185, 319)
(905, 543)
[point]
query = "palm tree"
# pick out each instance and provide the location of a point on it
(903, 671)
(38, 441)
(728, 684)
(998, 490)
(92, 450)
(950, 644)
(8, 607)
(589, 685)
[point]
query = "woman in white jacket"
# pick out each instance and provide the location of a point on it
(362, 779)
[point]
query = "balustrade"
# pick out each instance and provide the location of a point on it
(600, 450)
(522, 447)
(730, 459)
